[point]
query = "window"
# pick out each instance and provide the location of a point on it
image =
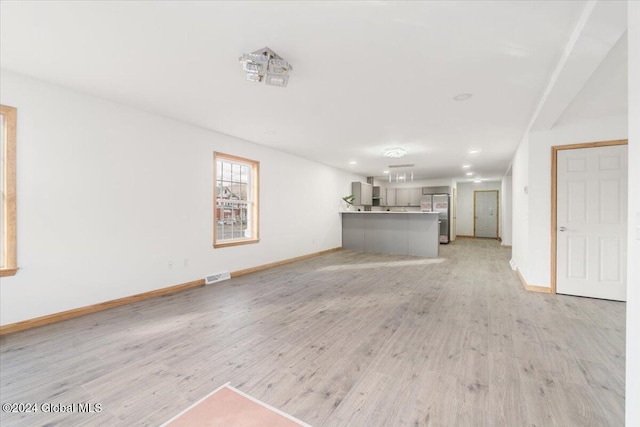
(8, 264)
(236, 201)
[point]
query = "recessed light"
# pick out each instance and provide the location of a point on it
(352, 162)
(463, 97)
(469, 173)
(385, 171)
(477, 181)
(466, 166)
(271, 132)
(474, 151)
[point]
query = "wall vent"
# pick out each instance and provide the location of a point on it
(218, 277)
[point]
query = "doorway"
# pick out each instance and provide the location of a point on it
(589, 220)
(485, 214)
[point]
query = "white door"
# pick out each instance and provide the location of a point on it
(486, 213)
(592, 220)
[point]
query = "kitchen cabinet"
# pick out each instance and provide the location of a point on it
(363, 193)
(390, 197)
(402, 197)
(415, 194)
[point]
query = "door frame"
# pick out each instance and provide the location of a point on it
(554, 196)
(497, 213)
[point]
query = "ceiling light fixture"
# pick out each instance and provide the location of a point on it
(265, 65)
(402, 177)
(474, 151)
(463, 97)
(352, 162)
(385, 171)
(469, 173)
(477, 181)
(408, 165)
(466, 166)
(395, 152)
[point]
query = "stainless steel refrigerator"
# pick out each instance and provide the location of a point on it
(441, 205)
(438, 203)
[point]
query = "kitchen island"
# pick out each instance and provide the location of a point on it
(405, 233)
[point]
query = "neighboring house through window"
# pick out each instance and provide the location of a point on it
(8, 262)
(236, 200)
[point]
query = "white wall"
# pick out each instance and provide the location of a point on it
(532, 211)
(540, 143)
(633, 267)
(520, 207)
(506, 195)
(108, 195)
(465, 218)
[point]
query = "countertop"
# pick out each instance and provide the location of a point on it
(388, 212)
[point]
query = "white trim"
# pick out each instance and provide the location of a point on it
(251, 398)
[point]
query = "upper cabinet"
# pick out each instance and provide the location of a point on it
(390, 195)
(415, 194)
(363, 193)
(402, 197)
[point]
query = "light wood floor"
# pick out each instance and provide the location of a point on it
(345, 339)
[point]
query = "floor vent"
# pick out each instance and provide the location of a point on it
(218, 277)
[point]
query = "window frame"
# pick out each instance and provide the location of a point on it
(253, 201)
(9, 265)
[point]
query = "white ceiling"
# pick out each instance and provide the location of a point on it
(367, 75)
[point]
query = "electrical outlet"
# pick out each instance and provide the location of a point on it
(170, 264)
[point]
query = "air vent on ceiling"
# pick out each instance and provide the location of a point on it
(218, 277)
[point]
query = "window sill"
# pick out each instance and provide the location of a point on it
(235, 243)
(8, 272)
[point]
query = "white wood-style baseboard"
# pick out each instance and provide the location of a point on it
(533, 288)
(81, 311)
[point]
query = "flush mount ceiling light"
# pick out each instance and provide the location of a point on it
(462, 97)
(466, 166)
(469, 173)
(394, 152)
(352, 162)
(474, 151)
(477, 181)
(265, 65)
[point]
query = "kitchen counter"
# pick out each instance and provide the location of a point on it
(389, 212)
(405, 233)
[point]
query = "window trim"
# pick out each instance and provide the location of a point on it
(255, 200)
(9, 126)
